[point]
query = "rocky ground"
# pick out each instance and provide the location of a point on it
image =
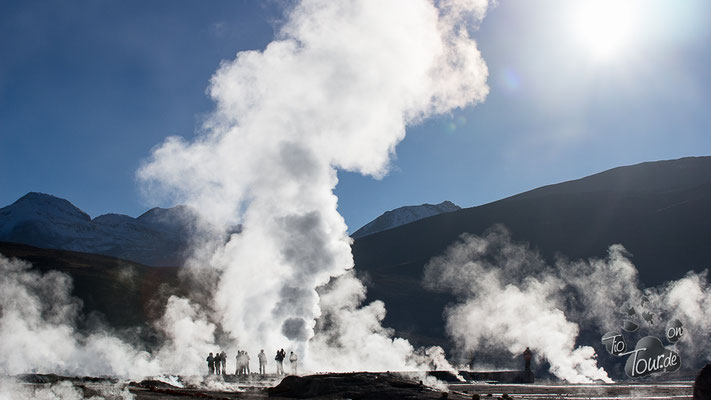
(326, 386)
(621, 390)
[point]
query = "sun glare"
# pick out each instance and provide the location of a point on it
(606, 27)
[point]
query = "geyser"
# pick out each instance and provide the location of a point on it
(335, 90)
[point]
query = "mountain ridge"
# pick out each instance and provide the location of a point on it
(404, 215)
(659, 211)
(157, 237)
(664, 224)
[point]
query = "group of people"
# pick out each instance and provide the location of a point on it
(216, 364)
(242, 363)
(280, 356)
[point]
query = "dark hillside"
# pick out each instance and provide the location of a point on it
(660, 211)
(123, 292)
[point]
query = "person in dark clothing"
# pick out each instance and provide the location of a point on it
(280, 355)
(527, 357)
(218, 362)
(210, 364)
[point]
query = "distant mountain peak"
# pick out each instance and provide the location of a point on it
(404, 215)
(159, 212)
(35, 203)
(37, 195)
(34, 197)
(159, 237)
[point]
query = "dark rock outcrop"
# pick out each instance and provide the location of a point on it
(360, 385)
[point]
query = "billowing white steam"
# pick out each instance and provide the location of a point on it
(37, 334)
(689, 300)
(336, 90)
(509, 299)
(12, 390)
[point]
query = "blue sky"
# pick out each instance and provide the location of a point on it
(88, 88)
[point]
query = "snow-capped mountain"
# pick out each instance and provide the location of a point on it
(404, 215)
(158, 237)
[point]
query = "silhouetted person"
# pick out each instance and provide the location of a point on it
(223, 361)
(702, 384)
(280, 361)
(238, 363)
(262, 362)
(210, 364)
(527, 357)
(218, 363)
(293, 359)
(246, 362)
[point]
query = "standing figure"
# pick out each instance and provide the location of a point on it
(293, 359)
(210, 364)
(240, 363)
(279, 362)
(218, 362)
(262, 362)
(246, 362)
(527, 357)
(223, 360)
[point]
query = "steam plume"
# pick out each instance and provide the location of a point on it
(509, 298)
(335, 90)
(37, 322)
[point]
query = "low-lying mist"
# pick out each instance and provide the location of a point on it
(510, 299)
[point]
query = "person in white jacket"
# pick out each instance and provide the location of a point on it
(293, 359)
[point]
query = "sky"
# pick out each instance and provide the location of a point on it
(88, 88)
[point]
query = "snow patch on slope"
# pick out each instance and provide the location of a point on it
(404, 215)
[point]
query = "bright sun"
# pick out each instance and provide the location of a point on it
(606, 27)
